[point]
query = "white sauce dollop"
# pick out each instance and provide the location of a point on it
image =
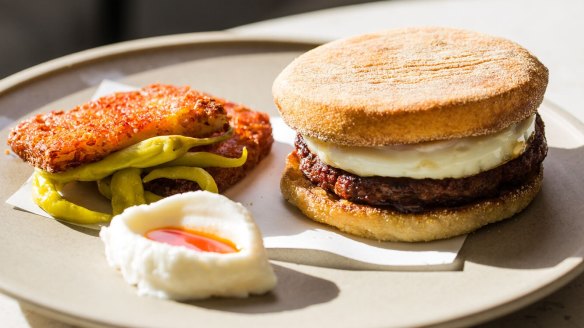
(176, 272)
(436, 160)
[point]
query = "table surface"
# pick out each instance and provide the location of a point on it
(549, 29)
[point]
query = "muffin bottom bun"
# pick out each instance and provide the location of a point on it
(388, 225)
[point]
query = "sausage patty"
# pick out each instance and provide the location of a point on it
(417, 195)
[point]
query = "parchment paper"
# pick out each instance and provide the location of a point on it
(288, 235)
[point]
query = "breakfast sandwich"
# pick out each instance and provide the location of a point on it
(413, 134)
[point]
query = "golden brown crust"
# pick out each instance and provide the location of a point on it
(60, 140)
(408, 86)
(388, 225)
(251, 129)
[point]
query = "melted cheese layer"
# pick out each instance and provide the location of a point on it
(436, 160)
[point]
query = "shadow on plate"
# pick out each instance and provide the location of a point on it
(320, 258)
(295, 290)
(35, 319)
(548, 232)
(88, 231)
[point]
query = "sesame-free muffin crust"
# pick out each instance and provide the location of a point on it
(409, 85)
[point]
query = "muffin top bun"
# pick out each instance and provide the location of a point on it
(407, 86)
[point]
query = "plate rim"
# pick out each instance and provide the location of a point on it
(84, 57)
(45, 69)
(127, 47)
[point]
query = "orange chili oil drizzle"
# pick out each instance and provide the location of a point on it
(195, 240)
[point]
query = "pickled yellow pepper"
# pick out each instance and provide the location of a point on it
(205, 159)
(118, 175)
(147, 153)
(46, 196)
(126, 189)
(196, 174)
(104, 187)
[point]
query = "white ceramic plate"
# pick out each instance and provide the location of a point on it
(61, 271)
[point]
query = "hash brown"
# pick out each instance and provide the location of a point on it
(251, 129)
(60, 140)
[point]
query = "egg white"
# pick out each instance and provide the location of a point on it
(456, 158)
(176, 272)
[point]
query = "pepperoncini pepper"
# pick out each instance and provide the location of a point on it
(147, 153)
(204, 159)
(126, 189)
(196, 174)
(119, 176)
(46, 196)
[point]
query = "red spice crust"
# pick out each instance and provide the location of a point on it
(251, 130)
(59, 140)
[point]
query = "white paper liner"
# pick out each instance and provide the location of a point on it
(288, 235)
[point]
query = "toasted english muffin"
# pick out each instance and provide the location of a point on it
(408, 86)
(384, 121)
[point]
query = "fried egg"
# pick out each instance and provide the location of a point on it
(189, 246)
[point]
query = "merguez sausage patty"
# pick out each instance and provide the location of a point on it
(409, 195)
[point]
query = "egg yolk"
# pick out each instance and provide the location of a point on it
(202, 242)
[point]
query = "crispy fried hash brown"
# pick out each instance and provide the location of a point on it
(251, 129)
(60, 140)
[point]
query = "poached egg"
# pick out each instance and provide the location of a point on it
(189, 246)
